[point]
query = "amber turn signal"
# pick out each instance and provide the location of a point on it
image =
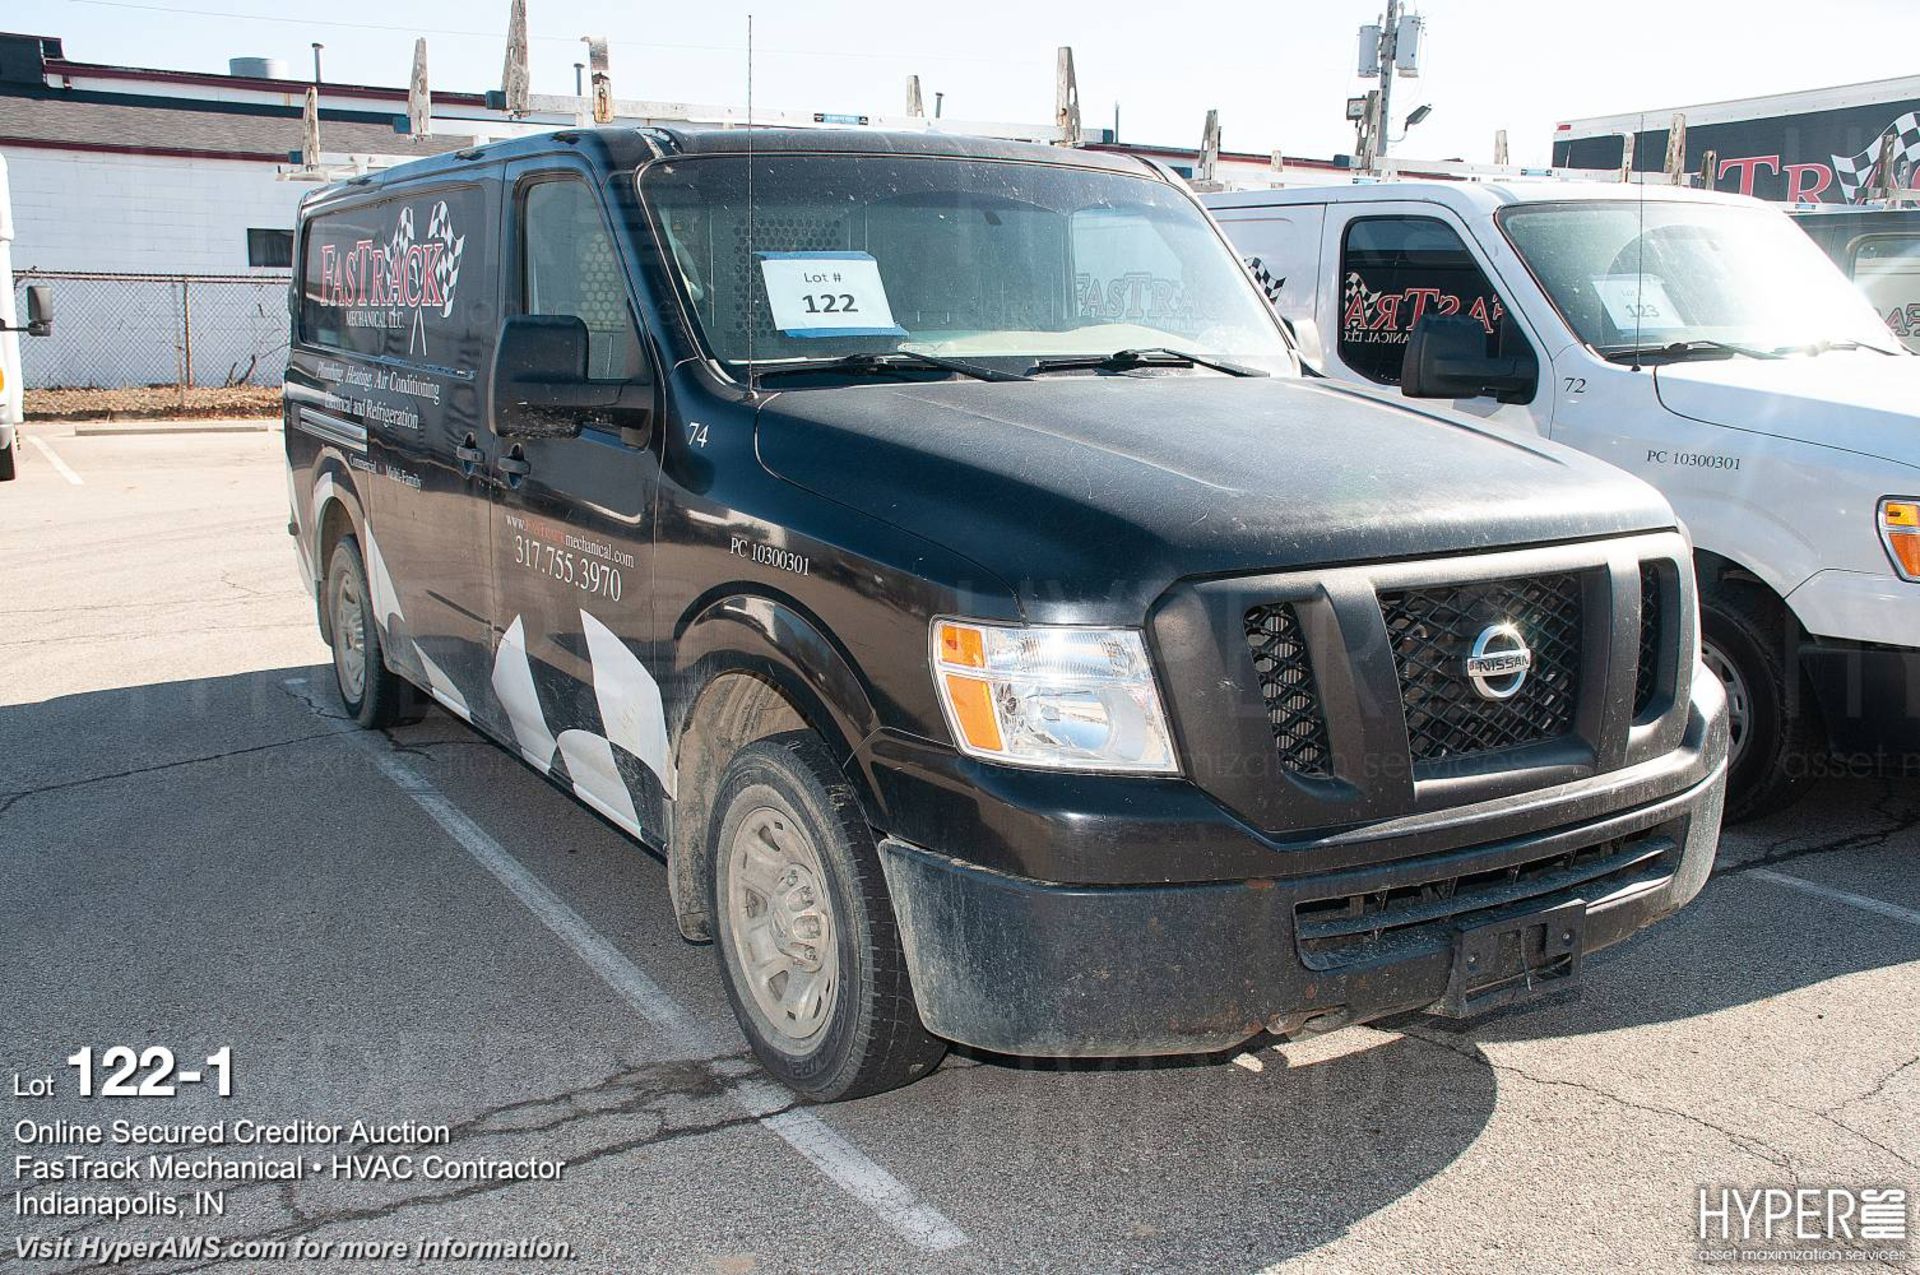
(1900, 532)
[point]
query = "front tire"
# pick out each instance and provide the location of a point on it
(805, 933)
(1744, 640)
(373, 696)
(8, 457)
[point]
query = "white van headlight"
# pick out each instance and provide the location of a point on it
(1052, 696)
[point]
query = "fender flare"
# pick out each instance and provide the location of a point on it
(332, 488)
(751, 665)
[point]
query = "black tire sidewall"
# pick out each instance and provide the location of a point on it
(1755, 645)
(761, 775)
(10, 460)
(346, 560)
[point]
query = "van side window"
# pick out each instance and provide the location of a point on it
(571, 268)
(1887, 269)
(1393, 271)
(384, 279)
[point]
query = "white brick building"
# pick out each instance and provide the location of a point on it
(148, 198)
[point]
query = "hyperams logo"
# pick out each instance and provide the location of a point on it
(399, 283)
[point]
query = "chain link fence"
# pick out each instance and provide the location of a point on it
(117, 331)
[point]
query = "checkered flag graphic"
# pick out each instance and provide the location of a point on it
(1356, 289)
(1855, 172)
(1265, 278)
(447, 269)
(397, 245)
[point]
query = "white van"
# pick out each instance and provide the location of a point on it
(40, 322)
(1698, 340)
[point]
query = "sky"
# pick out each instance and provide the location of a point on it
(1279, 72)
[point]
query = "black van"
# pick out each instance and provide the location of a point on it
(931, 547)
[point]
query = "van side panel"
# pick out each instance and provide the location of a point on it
(394, 329)
(1281, 245)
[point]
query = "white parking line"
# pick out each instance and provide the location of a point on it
(1878, 907)
(848, 1167)
(53, 458)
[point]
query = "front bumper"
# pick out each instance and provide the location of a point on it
(1020, 966)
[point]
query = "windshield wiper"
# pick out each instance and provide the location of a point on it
(1681, 349)
(1128, 360)
(877, 363)
(1845, 343)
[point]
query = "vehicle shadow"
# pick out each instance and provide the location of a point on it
(1747, 938)
(1161, 1160)
(1285, 1158)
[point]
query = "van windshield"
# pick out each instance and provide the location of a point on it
(999, 264)
(1689, 279)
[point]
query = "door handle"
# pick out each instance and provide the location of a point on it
(470, 457)
(513, 467)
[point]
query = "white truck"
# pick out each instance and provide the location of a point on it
(1699, 340)
(39, 323)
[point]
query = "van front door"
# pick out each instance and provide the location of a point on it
(573, 524)
(1397, 263)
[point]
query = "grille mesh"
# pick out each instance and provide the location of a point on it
(1286, 685)
(1432, 630)
(1646, 677)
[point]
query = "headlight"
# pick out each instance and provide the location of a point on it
(1052, 696)
(1900, 533)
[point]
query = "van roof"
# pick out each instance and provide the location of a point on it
(1470, 197)
(625, 147)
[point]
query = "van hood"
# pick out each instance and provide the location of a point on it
(1852, 399)
(1095, 493)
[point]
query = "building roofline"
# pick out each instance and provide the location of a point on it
(1729, 110)
(108, 71)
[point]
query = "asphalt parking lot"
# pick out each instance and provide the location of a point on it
(414, 927)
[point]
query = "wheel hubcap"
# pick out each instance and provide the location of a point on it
(349, 638)
(1739, 702)
(781, 921)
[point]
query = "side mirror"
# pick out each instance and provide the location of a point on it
(1447, 358)
(39, 310)
(540, 385)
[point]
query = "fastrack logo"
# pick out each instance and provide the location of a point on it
(1365, 311)
(364, 275)
(407, 275)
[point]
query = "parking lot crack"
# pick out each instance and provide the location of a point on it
(657, 1090)
(1900, 814)
(9, 799)
(1757, 1147)
(1880, 1086)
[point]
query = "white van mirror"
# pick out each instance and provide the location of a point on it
(39, 310)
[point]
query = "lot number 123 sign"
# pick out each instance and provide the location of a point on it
(821, 294)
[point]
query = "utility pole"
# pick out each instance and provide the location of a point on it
(1384, 112)
(1389, 45)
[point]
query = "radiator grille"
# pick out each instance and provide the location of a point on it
(1646, 678)
(1286, 686)
(1433, 629)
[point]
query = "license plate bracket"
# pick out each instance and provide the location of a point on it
(1515, 959)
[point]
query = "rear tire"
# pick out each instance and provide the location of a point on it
(8, 456)
(1744, 640)
(804, 930)
(373, 696)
